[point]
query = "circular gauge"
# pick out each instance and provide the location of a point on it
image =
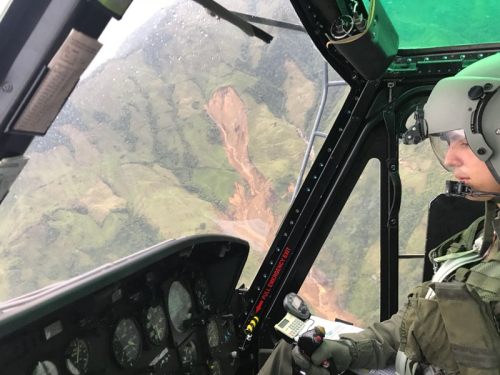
(180, 306)
(77, 357)
(155, 323)
(215, 368)
(45, 368)
(201, 290)
(213, 334)
(127, 342)
(189, 355)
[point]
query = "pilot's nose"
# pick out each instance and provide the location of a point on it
(452, 158)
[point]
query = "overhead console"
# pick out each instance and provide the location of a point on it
(165, 310)
(369, 44)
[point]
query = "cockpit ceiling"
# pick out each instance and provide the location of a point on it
(430, 23)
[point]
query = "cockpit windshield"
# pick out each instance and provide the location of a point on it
(183, 126)
(429, 23)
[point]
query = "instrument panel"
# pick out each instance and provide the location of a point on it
(168, 318)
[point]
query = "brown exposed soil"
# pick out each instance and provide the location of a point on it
(252, 201)
(250, 213)
(322, 299)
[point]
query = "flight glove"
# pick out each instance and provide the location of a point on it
(338, 351)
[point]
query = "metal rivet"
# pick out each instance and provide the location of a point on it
(481, 151)
(470, 109)
(291, 222)
(7, 87)
(285, 234)
(341, 130)
(497, 132)
(308, 190)
(251, 301)
(329, 150)
(462, 57)
(315, 177)
(393, 221)
(321, 165)
(264, 276)
(408, 60)
(480, 55)
(426, 59)
(297, 211)
(271, 262)
(278, 249)
(445, 57)
(258, 288)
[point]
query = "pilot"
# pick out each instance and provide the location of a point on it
(449, 325)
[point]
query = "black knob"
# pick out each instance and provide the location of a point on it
(476, 92)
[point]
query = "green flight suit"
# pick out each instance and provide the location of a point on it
(456, 330)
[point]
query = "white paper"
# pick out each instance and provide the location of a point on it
(332, 329)
(389, 370)
(65, 69)
(9, 170)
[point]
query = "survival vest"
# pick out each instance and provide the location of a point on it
(457, 330)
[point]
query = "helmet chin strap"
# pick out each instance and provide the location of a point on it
(459, 189)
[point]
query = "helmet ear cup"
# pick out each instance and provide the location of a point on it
(490, 129)
(477, 116)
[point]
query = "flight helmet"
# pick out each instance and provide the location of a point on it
(465, 105)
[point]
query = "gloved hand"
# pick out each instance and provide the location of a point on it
(335, 350)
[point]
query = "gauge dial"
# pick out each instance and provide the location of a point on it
(127, 342)
(45, 368)
(215, 368)
(213, 334)
(189, 355)
(180, 306)
(77, 357)
(202, 292)
(155, 323)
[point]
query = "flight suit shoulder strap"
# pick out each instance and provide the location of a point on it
(485, 276)
(462, 241)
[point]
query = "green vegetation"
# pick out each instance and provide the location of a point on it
(136, 157)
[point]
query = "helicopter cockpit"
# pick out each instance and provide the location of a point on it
(171, 170)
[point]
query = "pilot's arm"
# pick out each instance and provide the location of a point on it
(377, 345)
(374, 347)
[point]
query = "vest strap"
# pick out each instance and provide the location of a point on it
(484, 282)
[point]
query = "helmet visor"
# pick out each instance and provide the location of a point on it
(440, 143)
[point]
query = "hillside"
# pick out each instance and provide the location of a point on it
(194, 128)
